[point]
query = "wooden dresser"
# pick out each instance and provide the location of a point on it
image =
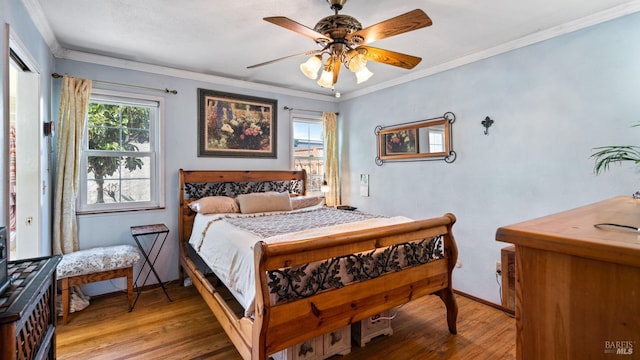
(28, 311)
(577, 285)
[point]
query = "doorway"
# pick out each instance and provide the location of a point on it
(24, 132)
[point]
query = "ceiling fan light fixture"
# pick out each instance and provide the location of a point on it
(356, 61)
(326, 79)
(345, 41)
(311, 67)
(363, 75)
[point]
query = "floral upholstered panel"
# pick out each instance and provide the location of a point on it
(233, 189)
(97, 259)
(307, 280)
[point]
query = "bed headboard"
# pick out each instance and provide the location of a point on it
(195, 184)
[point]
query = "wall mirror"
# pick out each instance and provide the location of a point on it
(420, 140)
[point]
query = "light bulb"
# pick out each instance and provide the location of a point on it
(310, 67)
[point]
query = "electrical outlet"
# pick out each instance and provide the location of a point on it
(498, 267)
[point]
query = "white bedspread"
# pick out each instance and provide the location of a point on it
(228, 250)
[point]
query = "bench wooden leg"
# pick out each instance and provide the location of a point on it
(65, 300)
(130, 287)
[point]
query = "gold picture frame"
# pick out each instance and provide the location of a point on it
(234, 125)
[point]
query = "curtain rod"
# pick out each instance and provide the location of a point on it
(174, 92)
(316, 111)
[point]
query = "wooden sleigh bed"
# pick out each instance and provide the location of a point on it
(277, 325)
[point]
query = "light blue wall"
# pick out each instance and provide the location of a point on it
(13, 13)
(180, 152)
(552, 103)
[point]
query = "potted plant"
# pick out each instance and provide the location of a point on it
(606, 155)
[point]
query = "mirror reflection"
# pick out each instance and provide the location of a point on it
(431, 139)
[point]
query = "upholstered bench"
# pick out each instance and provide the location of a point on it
(96, 264)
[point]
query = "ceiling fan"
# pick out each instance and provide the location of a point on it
(343, 41)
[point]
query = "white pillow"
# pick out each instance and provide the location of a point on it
(264, 202)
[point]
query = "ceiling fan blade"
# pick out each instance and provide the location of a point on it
(390, 57)
(413, 20)
(297, 27)
(310, 52)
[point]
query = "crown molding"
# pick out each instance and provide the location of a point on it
(37, 15)
(40, 21)
(35, 11)
(562, 29)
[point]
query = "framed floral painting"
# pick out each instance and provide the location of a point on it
(401, 142)
(233, 125)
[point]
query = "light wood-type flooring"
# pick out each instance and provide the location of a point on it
(186, 329)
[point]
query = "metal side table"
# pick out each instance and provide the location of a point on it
(161, 233)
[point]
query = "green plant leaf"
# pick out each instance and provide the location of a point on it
(606, 155)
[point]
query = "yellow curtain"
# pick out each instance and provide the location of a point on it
(74, 102)
(330, 124)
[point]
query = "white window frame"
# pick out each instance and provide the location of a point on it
(156, 154)
(305, 118)
(436, 140)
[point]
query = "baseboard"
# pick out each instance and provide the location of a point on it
(485, 302)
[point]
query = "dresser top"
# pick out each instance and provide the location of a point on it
(574, 232)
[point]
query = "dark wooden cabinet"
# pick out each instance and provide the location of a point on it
(28, 310)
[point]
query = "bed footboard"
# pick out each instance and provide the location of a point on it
(278, 325)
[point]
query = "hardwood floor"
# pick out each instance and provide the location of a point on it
(186, 329)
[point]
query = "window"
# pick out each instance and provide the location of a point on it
(436, 141)
(307, 150)
(121, 154)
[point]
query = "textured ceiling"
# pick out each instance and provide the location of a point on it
(222, 38)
